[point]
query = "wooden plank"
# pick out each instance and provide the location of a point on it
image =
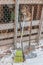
(9, 35)
(10, 41)
(27, 38)
(11, 25)
(7, 2)
(3, 42)
(6, 35)
(30, 1)
(27, 41)
(6, 26)
(35, 22)
(4, 47)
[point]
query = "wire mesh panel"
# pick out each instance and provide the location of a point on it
(7, 13)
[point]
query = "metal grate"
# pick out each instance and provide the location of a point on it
(7, 13)
(27, 9)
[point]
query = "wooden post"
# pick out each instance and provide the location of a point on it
(16, 22)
